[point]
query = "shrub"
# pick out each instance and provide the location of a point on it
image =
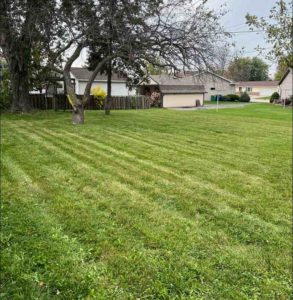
(221, 98)
(244, 97)
(231, 97)
(155, 99)
(287, 101)
(275, 96)
(5, 99)
(99, 95)
(5, 93)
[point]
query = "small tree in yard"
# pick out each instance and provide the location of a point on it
(122, 35)
(155, 98)
(134, 37)
(99, 95)
(244, 97)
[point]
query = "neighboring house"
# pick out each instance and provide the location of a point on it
(80, 76)
(257, 89)
(285, 84)
(214, 84)
(79, 79)
(174, 91)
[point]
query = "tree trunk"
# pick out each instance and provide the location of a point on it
(20, 88)
(78, 115)
(77, 104)
(109, 89)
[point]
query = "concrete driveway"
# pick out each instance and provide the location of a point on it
(213, 106)
(255, 100)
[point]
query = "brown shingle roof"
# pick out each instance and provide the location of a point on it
(83, 74)
(166, 79)
(257, 83)
(170, 84)
(199, 74)
(182, 89)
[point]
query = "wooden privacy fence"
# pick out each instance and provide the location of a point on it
(60, 102)
(40, 101)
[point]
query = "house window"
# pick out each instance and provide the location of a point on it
(212, 89)
(240, 89)
(249, 89)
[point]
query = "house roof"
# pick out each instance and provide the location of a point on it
(266, 83)
(83, 74)
(285, 75)
(170, 80)
(170, 84)
(198, 74)
(182, 89)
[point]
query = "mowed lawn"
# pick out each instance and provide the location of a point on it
(148, 204)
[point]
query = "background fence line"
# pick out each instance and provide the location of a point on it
(60, 102)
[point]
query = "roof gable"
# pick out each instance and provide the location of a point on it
(265, 83)
(198, 74)
(166, 79)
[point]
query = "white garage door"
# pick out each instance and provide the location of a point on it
(182, 100)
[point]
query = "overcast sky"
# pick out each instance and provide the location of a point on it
(233, 21)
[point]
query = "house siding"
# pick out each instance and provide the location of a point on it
(285, 88)
(220, 86)
(118, 88)
(258, 91)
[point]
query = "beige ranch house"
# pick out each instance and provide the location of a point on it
(174, 91)
(214, 84)
(257, 89)
(286, 84)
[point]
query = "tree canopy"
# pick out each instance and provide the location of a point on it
(278, 30)
(125, 35)
(282, 67)
(248, 69)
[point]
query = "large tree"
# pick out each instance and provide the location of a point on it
(123, 35)
(278, 30)
(248, 69)
(22, 27)
(131, 34)
(224, 58)
(283, 67)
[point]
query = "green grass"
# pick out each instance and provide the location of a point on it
(149, 204)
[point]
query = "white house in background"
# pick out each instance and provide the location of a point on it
(80, 77)
(286, 84)
(257, 89)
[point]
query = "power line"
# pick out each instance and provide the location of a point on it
(236, 25)
(245, 31)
